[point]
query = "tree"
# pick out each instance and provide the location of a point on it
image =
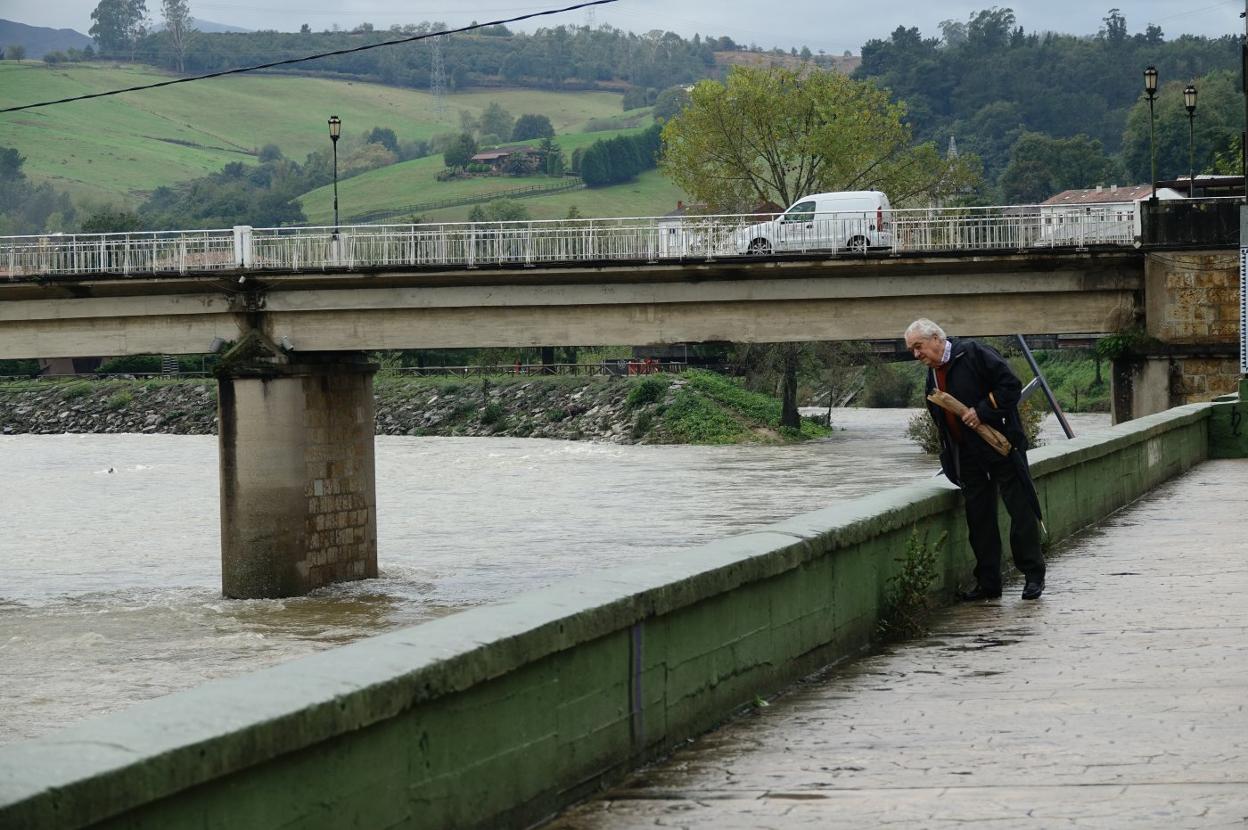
(496, 120)
(773, 135)
(177, 14)
(1219, 118)
(112, 220)
(383, 136)
(118, 24)
(461, 151)
(552, 157)
(11, 163)
(15, 52)
(670, 103)
(1041, 167)
(532, 126)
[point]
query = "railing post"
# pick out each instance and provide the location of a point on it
(244, 255)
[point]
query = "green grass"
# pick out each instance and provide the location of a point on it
(117, 148)
(649, 195)
(1072, 376)
(415, 182)
(714, 409)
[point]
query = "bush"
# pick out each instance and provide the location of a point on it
(908, 601)
(647, 391)
(643, 424)
(143, 364)
(922, 430)
(119, 401)
(493, 413)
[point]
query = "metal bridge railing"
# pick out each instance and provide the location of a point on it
(633, 239)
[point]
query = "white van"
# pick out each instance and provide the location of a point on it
(852, 220)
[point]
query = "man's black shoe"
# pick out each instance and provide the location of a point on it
(978, 593)
(1033, 589)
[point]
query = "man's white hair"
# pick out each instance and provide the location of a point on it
(926, 329)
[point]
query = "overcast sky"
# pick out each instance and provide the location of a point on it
(832, 25)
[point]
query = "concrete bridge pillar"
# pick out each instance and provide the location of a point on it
(1189, 349)
(298, 487)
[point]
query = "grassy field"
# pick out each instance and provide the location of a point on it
(415, 182)
(115, 149)
(650, 195)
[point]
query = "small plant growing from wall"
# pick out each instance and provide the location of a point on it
(908, 603)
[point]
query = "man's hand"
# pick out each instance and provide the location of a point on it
(970, 417)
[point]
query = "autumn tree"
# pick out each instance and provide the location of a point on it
(768, 134)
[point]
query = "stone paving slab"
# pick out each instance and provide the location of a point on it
(1120, 699)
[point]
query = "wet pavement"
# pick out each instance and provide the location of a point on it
(1119, 699)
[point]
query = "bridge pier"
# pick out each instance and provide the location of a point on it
(1187, 352)
(298, 483)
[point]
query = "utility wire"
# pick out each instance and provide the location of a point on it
(311, 57)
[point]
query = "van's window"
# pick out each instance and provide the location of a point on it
(801, 212)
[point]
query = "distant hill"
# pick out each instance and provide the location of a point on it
(40, 40)
(118, 149)
(205, 26)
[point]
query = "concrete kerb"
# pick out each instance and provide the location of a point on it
(157, 749)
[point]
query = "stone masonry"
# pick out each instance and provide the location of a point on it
(298, 504)
(1192, 317)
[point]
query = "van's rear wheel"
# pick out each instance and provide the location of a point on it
(858, 245)
(759, 246)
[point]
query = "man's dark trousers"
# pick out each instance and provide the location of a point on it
(981, 480)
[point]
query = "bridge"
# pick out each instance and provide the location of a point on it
(564, 688)
(296, 309)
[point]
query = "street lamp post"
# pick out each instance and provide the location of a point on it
(335, 130)
(1150, 90)
(1189, 102)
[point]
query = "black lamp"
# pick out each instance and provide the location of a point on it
(335, 130)
(1189, 102)
(1150, 90)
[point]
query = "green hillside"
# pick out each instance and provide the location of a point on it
(117, 148)
(652, 194)
(415, 182)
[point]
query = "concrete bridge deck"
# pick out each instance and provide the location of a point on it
(1120, 699)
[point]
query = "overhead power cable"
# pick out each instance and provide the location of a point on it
(289, 61)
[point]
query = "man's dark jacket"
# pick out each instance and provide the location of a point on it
(978, 376)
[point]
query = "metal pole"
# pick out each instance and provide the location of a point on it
(1152, 145)
(335, 187)
(1044, 384)
(1191, 155)
(1243, 217)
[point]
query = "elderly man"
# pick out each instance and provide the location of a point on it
(979, 377)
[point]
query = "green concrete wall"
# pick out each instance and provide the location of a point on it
(1228, 425)
(499, 716)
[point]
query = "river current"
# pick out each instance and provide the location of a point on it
(110, 544)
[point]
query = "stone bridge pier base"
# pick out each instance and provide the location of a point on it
(298, 486)
(1188, 350)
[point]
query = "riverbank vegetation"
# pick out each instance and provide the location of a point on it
(697, 407)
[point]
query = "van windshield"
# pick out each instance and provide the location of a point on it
(801, 212)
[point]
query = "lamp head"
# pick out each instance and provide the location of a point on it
(1189, 99)
(335, 128)
(1150, 81)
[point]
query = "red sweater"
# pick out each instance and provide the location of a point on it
(952, 421)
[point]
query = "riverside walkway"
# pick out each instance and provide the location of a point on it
(1120, 699)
